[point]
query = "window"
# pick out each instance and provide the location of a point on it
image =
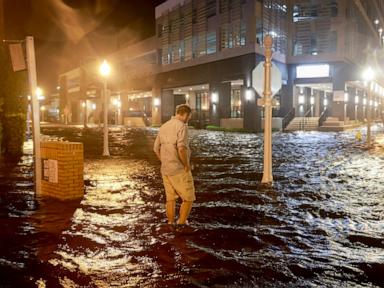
(160, 30)
(236, 104)
(233, 35)
(182, 51)
(211, 42)
(211, 8)
(195, 46)
(243, 33)
(202, 101)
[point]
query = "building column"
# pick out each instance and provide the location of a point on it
(156, 106)
(221, 109)
(252, 112)
(167, 105)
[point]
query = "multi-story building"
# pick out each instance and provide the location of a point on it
(204, 52)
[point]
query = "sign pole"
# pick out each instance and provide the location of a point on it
(267, 173)
(31, 62)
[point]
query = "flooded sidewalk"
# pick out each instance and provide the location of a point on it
(320, 225)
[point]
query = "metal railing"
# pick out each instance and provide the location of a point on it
(323, 117)
(304, 121)
(288, 118)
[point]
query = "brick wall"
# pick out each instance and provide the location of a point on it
(70, 170)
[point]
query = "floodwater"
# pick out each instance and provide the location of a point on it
(320, 225)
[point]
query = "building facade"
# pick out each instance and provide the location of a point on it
(204, 52)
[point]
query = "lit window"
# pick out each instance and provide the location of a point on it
(211, 42)
(312, 71)
(236, 104)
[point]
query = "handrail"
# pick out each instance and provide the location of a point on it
(323, 117)
(304, 121)
(288, 118)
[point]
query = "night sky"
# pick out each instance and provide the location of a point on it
(69, 32)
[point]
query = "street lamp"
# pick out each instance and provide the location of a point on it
(39, 93)
(368, 76)
(105, 70)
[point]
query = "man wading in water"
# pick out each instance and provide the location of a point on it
(172, 148)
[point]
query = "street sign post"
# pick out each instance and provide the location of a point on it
(266, 79)
(18, 64)
(258, 79)
(17, 57)
(31, 62)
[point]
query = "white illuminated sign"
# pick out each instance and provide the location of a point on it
(312, 71)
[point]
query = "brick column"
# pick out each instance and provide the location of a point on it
(63, 170)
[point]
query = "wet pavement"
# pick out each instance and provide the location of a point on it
(320, 225)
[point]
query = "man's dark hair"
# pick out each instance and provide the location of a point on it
(182, 109)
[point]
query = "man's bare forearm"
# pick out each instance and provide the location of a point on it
(183, 155)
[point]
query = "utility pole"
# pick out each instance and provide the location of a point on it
(31, 62)
(267, 173)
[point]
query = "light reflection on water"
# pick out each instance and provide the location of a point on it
(321, 224)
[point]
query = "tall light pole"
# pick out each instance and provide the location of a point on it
(368, 75)
(105, 70)
(267, 169)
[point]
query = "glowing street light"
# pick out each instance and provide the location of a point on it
(105, 71)
(368, 76)
(39, 93)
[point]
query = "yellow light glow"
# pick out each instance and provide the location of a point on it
(39, 91)
(105, 69)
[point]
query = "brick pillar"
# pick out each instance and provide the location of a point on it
(63, 170)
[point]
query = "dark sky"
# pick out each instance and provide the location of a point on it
(68, 32)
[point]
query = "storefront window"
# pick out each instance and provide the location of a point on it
(236, 104)
(202, 101)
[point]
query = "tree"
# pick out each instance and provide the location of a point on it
(13, 92)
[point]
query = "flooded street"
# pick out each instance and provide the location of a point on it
(320, 225)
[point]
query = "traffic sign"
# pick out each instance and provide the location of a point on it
(258, 79)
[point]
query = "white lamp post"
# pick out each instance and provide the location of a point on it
(368, 76)
(105, 70)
